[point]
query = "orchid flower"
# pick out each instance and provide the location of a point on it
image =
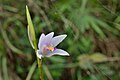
(47, 45)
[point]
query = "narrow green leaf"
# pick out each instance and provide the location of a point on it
(9, 44)
(98, 57)
(31, 32)
(97, 29)
(31, 71)
(85, 62)
(47, 72)
(4, 68)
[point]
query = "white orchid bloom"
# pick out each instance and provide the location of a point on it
(47, 45)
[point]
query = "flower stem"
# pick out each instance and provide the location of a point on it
(39, 61)
(40, 67)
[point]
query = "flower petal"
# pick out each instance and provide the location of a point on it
(39, 54)
(56, 40)
(41, 40)
(49, 37)
(57, 52)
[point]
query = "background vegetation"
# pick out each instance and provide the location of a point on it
(93, 29)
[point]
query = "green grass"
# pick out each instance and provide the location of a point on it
(93, 41)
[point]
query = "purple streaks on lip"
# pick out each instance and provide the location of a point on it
(54, 49)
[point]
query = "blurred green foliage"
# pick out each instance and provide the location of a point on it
(92, 26)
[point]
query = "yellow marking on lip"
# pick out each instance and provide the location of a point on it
(51, 48)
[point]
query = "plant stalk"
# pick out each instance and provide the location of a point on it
(39, 61)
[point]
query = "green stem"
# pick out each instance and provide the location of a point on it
(40, 67)
(39, 61)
